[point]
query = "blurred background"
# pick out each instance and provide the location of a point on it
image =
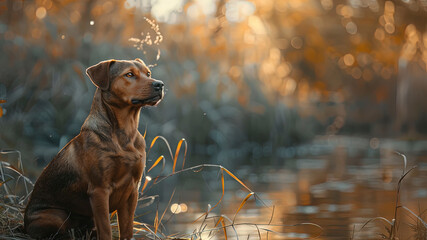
(306, 100)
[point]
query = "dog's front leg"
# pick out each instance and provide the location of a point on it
(99, 202)
(126, 213)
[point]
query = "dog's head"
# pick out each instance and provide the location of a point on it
(127, 81)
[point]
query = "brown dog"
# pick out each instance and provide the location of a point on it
(99, 170)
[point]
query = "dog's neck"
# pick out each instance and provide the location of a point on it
(119, 117)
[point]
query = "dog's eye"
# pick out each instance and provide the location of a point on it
(148, 74)
(129, 74)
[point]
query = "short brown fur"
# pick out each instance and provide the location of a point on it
(99, 170)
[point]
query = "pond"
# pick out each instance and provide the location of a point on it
(334, 188)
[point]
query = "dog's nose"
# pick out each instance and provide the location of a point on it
(158, 85)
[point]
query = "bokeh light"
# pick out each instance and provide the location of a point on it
(41, 12)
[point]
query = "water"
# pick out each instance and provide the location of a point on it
(332, 188)
(351, 182)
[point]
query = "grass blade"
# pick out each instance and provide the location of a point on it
(145, 131)
(218, 222)
(224, 228)
(164, 140)
(156, 222)
(164, 212)
(404, 161)
(259, 232)
(185, 154)
(415, 215)
(147, 179)
(377, 218)
(232, 226)
(178, 148)
(241, 204)
(113, 214)
(235, 178)
(153, 142)
(150, 230)
(220, 200)
(157, 162)
(272, 214)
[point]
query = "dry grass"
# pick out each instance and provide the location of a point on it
(13, 195)
(13, 200)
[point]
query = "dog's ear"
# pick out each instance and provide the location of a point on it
(99, 74)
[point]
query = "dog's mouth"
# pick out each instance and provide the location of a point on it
(148, 101)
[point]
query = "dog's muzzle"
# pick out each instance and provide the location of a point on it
(154, 99)
(158, 86)
(157, 92)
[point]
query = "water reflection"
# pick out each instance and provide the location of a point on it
(341, 190)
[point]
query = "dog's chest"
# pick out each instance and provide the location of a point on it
(127, 163)
(129, 151)
(126, 175)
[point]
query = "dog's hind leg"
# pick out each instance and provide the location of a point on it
(48, 224)
(82, 227)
